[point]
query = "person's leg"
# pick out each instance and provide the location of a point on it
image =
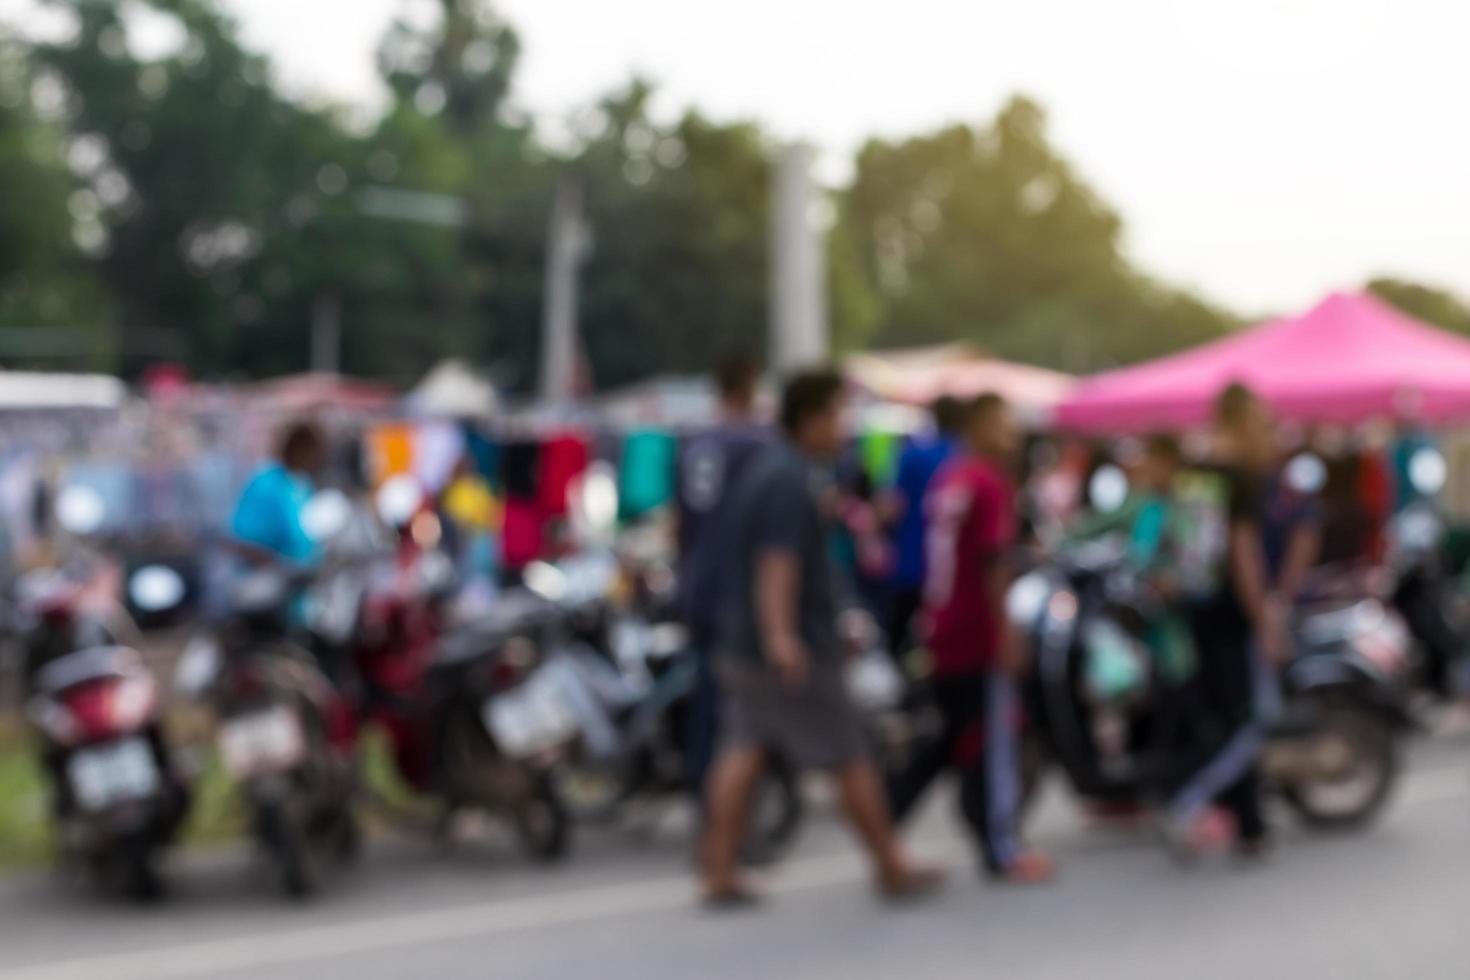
(1232, 739)
(903, 607)
(990, 793)
(866, 809)
(907, 786)
(730, 788)
(702, 726)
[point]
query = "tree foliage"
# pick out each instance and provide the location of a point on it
(222, 217)
(988, 234)
(1428, 303)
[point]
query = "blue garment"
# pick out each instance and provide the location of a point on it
(269, 511)
(710, 464)
(920, 461)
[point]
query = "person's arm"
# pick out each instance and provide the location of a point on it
(1302, 552)
(1248, 576)
(777, 585)
(777, 534)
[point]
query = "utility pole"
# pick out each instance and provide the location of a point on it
(568, 243)
(799, 332)
(326, 334)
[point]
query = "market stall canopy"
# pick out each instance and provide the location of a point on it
(303, 394)
(917, 376)
(454, 390)
(27, 390)
(1351, 359)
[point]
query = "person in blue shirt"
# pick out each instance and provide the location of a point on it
(920, 460)
(709, 464)
(267, 525)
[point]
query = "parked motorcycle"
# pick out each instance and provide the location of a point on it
(118, 795)
(1096, 700)
(1425, 591)
(473, 706)
(286, 733)
(635, 679)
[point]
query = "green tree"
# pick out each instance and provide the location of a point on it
(988, 234)
(679, 212)
(1430, 304)
(43, 278)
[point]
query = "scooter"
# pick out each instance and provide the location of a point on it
(119, 797)
(284, 734)
(635, 679)
(475, 710)
(1424, 591)
(1096, 702)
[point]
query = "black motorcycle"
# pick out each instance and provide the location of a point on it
(281, 730)
(1099, 709)
(637, 678)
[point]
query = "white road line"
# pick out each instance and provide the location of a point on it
(274, 949)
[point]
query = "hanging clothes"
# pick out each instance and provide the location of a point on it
(521, 533)
(879, 451)
(390, 451)
(520, 467)
(521, 537)
(646, 477)
(437, 449)
(563, 459)
(486, 454)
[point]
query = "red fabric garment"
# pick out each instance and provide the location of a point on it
(563, 458)
(520, 537)
(972, 521)
(1375, 496)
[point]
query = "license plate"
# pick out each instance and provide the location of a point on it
(263, 742)
(122, 772)
(539, 715)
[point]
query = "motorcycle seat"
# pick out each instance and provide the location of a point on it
(84, 666)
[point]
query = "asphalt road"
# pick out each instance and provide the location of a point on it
(1392, 902)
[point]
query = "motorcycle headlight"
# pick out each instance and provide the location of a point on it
(156, 588)
(198, 666)
(1027, 598)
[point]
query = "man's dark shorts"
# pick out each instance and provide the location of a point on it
(815, 726)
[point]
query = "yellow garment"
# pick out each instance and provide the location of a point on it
(470, 504)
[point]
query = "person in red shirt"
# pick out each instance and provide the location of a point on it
(972, 527)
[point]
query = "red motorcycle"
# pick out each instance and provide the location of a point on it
(118, 797)
(471, 708)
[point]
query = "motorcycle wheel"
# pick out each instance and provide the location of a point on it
(777, 810)
(1355, 797)
(139, 877)
(543, 825)
(287, 841)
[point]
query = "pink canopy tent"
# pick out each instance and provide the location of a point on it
(1350, 359)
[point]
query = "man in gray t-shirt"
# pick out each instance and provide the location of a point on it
(781, 669)
(775, 509)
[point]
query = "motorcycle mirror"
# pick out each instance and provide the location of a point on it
(156, 588)
(1107, 491)
(198, 666)
(1026, 598)
(81, 510)
(1428, 471)
(1306, 473)
(546, 580)
(325, 515)
(398, 500)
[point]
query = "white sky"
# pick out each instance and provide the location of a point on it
(1264, 151)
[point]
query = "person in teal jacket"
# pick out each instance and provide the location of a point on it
(1154, 524)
